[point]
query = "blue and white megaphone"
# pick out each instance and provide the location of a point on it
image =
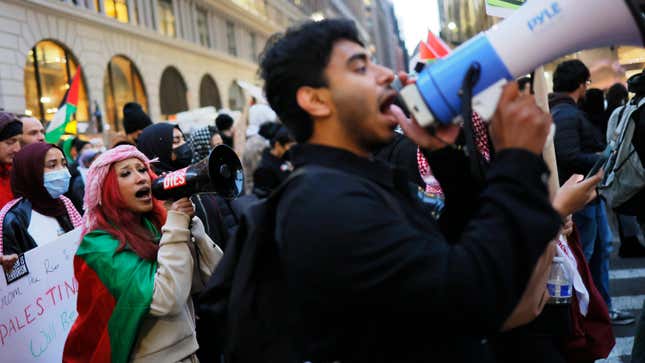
(538, 32)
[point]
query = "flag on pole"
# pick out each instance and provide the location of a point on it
(56, 127)
(433, 48)
(437, 45)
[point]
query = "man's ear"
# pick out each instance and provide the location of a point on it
(315, 101)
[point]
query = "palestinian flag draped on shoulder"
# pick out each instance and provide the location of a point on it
(56, 127)
(114, 295)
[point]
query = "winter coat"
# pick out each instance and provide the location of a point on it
(577, 141)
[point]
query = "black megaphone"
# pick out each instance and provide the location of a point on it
(221, 172)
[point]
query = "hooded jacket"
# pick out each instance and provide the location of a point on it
(156, 143)
(576, 140)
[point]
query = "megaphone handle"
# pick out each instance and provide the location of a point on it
(466, 95)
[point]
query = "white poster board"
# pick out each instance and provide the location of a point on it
(38, 309)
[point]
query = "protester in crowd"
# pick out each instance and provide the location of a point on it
(32, 130)
(354, 242)
(259, 114)
(616, 96)
(136, 267)
(273, 168)
(224, 123)
(165, 142)
(593, 105)
(10, 134)
(625, 227)
(577, 144)
(40, 213)
(77, 182)
(203, 140)
(134, 121)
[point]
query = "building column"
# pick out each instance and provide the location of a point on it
(176, 9)
(140, 13)
(101, 6)
(154, 15)
(192, 22)
(211, 30)
(131, 14)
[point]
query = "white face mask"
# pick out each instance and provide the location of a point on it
(57, 182)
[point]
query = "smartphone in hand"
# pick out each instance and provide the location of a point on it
(600, 163)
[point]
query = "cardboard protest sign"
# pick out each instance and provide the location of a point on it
(38, 305)
(502, 8)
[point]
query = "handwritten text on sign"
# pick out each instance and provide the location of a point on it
(38, 310)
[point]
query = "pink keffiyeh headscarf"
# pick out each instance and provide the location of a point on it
(96, 178)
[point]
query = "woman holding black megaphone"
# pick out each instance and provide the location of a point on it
(208, 183)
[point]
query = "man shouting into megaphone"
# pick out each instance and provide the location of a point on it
(370, 276)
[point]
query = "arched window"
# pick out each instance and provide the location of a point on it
(122, 84)
(209, 93)
(172, 92)
(49, 71)
(235, 97)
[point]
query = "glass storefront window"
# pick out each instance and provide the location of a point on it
(122, 84)
(172, 92)
(117, 9)
(209, 93)
(166, 18)
(48, 72)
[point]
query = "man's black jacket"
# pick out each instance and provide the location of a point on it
(374, 282)
(576, 139)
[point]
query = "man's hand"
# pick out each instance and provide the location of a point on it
(518, 123)
(443, 135)
(575, 194)
(7, 261)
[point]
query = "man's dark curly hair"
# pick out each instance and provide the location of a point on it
(296, 59)
(569, 75)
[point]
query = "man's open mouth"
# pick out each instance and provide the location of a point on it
(389, 99)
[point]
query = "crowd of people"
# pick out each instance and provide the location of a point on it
(391, 249)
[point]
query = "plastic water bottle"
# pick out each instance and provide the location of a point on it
(559, 283)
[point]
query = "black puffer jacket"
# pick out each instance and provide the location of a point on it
(271, 171)
(218, 216)
(15, 237)
(577, 141)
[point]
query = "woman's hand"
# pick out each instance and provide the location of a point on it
(7, 261)
(183, 205)
(575, 194)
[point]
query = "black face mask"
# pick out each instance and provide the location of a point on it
(183, 156)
